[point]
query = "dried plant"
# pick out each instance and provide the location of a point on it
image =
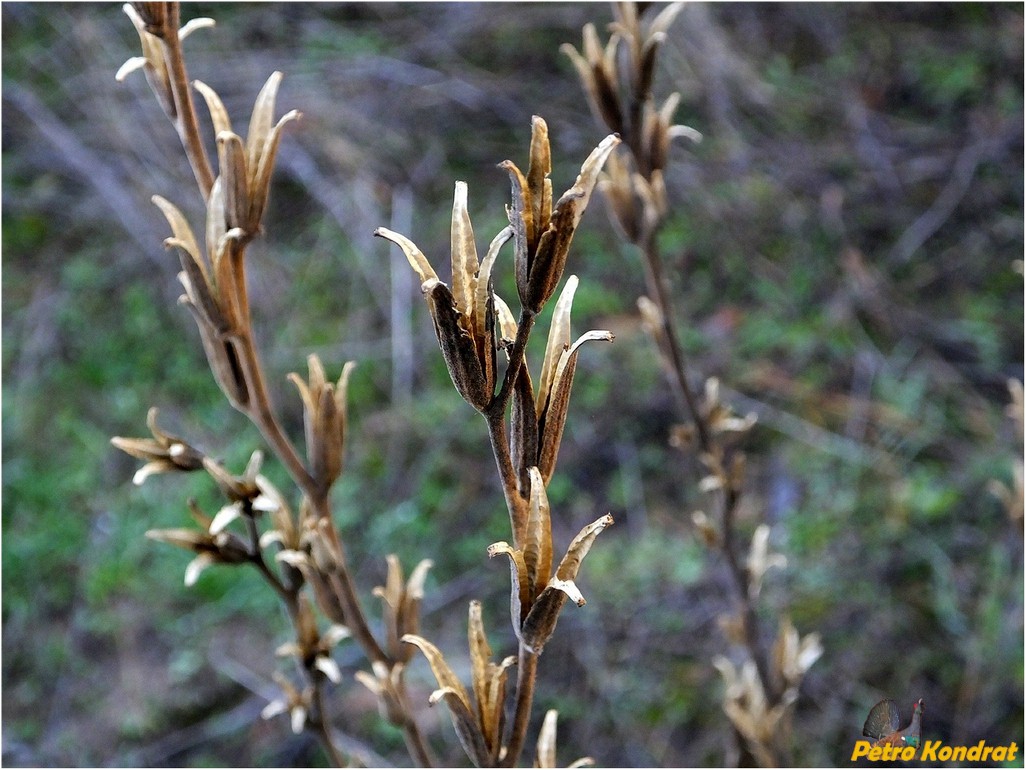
(618, 78)
(298, 550)
(475, 329)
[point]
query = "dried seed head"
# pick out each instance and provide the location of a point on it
(537, 421)
(465, 315)
(794, 654)
(536, 598)
(386, 684)
(151, 21)
(245, 168)
(542, 235)
(479, 725)
(324, 419)
(210, 547)
(295, 703)
(451, 690)
(241, 488)
(163, 453)
(401, 605)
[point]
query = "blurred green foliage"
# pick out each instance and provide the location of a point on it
(831, 134)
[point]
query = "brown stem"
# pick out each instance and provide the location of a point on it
(516, 505)
(739, 579)
(185, 121)
(675, 365)
(321, 727)
(261, 411)
(516, 360)
(416, 744)
(495, 415)
(672, 354)
(527, 673)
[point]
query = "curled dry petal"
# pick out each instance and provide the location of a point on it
(521, 594)
(414, 255)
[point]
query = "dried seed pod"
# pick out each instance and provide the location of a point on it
(451, 690)
(458, 348)
(558, 367)
(324, 418)
(163, 453)
(541, 235)
(479, 725)
(401, 605)
(464, 316)
(536, 597)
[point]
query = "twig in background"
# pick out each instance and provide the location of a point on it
(618, 78)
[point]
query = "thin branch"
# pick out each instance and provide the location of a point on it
(321, 727)
(673, 355)
(507, 476)
(185, 122)
(527, 674)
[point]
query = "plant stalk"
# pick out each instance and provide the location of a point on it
(527, 674)
(185, 120)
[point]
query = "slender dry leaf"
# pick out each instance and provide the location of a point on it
(546, 754)
(464, 258)
(538, 544)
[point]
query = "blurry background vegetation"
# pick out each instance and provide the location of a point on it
(842, 257)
